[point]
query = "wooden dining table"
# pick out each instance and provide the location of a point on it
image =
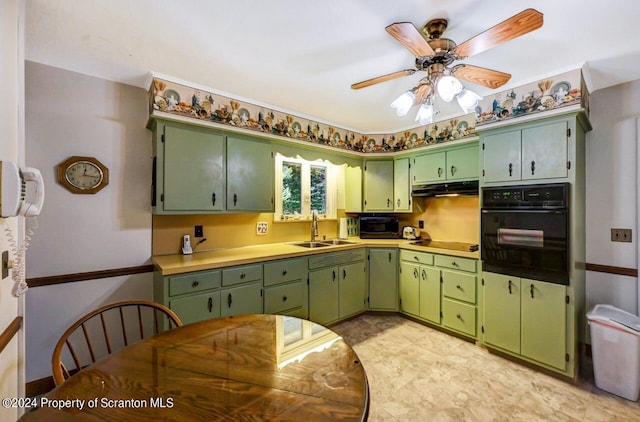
(250, 367)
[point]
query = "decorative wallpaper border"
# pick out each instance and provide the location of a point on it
(174, 98)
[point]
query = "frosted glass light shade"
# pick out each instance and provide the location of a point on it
(425, 114)
(468, 100)
(448, 87)
(403, 103)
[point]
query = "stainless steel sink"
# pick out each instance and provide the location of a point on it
(338, 242)
(309, 244)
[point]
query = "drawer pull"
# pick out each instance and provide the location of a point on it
(284, 298)
(242, 275)
(459, 288)
(459, 317)
(210, 304)
(416, 258)
(195, 283)
(284, 272)
(454, 264)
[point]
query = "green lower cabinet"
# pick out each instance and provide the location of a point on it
(409, 288)
(240, 300)
(196, 307)
(352, 289)
(287, 299)
(383, 279)
(526, 317)
(429, 293)
(459, 316)
(323, 295)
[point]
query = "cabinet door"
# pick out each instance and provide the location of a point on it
(323, 295)
(430, 294)
(401, 185)
(197, 307)
(245, 299)
(502, 311)
(544, 151)
(544, 322)
(462, 163)
(194, 175)
(429, 168)
(501, 156)
(410, 288)
(383, 279)
(353, 189)
(353, 289)
(378, 186)
(249, 175)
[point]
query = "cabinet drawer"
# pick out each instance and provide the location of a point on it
(459, 286)
(193, 282)
(197, 307)
(336, 258)
(286, 270)
(456, 263)
(242, 274)
(416, 257)
(459, 316)
(280, 299)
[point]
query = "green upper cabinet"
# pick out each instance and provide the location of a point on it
(189, 172)
(353, 189)
(531, 151)
(250, 183)
(429, 168)
(544, 151)
(383, 279)
(456, 163)
(401, 185)
(378, 185)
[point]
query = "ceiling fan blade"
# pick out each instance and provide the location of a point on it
(383, 78)
(480, 75)
(517, 25)
(422, 93)
(409, 36)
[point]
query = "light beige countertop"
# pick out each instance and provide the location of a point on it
(219, 258)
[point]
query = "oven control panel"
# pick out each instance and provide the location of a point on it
(526, 196)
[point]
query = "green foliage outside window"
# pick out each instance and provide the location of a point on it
(291, 188)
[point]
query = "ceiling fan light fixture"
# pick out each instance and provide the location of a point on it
(403, 103)
(468, 100)
(448, 87)
(425, 114)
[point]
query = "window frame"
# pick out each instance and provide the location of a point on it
(305, 180)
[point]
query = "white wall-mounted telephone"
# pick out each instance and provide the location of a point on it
(13, 189)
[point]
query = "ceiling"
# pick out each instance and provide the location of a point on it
(303, 55)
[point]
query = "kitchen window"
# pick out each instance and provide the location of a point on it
(303, 186)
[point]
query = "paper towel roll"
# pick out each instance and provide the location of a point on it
(343, 228)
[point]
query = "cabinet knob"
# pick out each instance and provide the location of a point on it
(195, 283)
(389, 256)
(453, 170)
(334, 275)
(531, 291)
(459, 317)
(415, 272)
(459, 287)
(284, 272)
(510, 283)
(213, 198)
(210, 304)
(235, 199)
(398, 202)
(242, 275)
(389, 203)
(229, 300)
(439, 171)
(424, 275)
(344, 274)
(533, 167)
(284, 298)
(455, 264)
(510, 169)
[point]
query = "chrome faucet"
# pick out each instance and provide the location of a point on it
(314, 225)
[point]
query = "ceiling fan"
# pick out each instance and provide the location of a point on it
(435, 55)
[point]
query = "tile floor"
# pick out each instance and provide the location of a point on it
(417, 373)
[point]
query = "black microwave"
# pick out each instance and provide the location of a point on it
(379, 227)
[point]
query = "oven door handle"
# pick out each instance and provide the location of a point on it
(528, 211)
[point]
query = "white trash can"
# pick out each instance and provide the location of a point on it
(615, 347)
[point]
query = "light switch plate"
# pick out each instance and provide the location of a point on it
(262, 228)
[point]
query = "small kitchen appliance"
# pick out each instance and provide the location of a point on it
(410, 233)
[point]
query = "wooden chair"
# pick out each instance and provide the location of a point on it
(106, 330)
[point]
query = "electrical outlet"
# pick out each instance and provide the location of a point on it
(198, 231)
(262, 228)
(5, 264)
(621, 235)
(420, 224)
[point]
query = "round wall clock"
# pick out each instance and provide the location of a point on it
(83, 174)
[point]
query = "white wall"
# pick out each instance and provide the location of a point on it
(612, 166)
(11, 143)
(72, 114)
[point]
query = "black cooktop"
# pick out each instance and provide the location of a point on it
(456, 246)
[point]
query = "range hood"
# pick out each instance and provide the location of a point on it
(468, 188)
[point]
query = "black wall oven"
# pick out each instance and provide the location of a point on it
(524, 231)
